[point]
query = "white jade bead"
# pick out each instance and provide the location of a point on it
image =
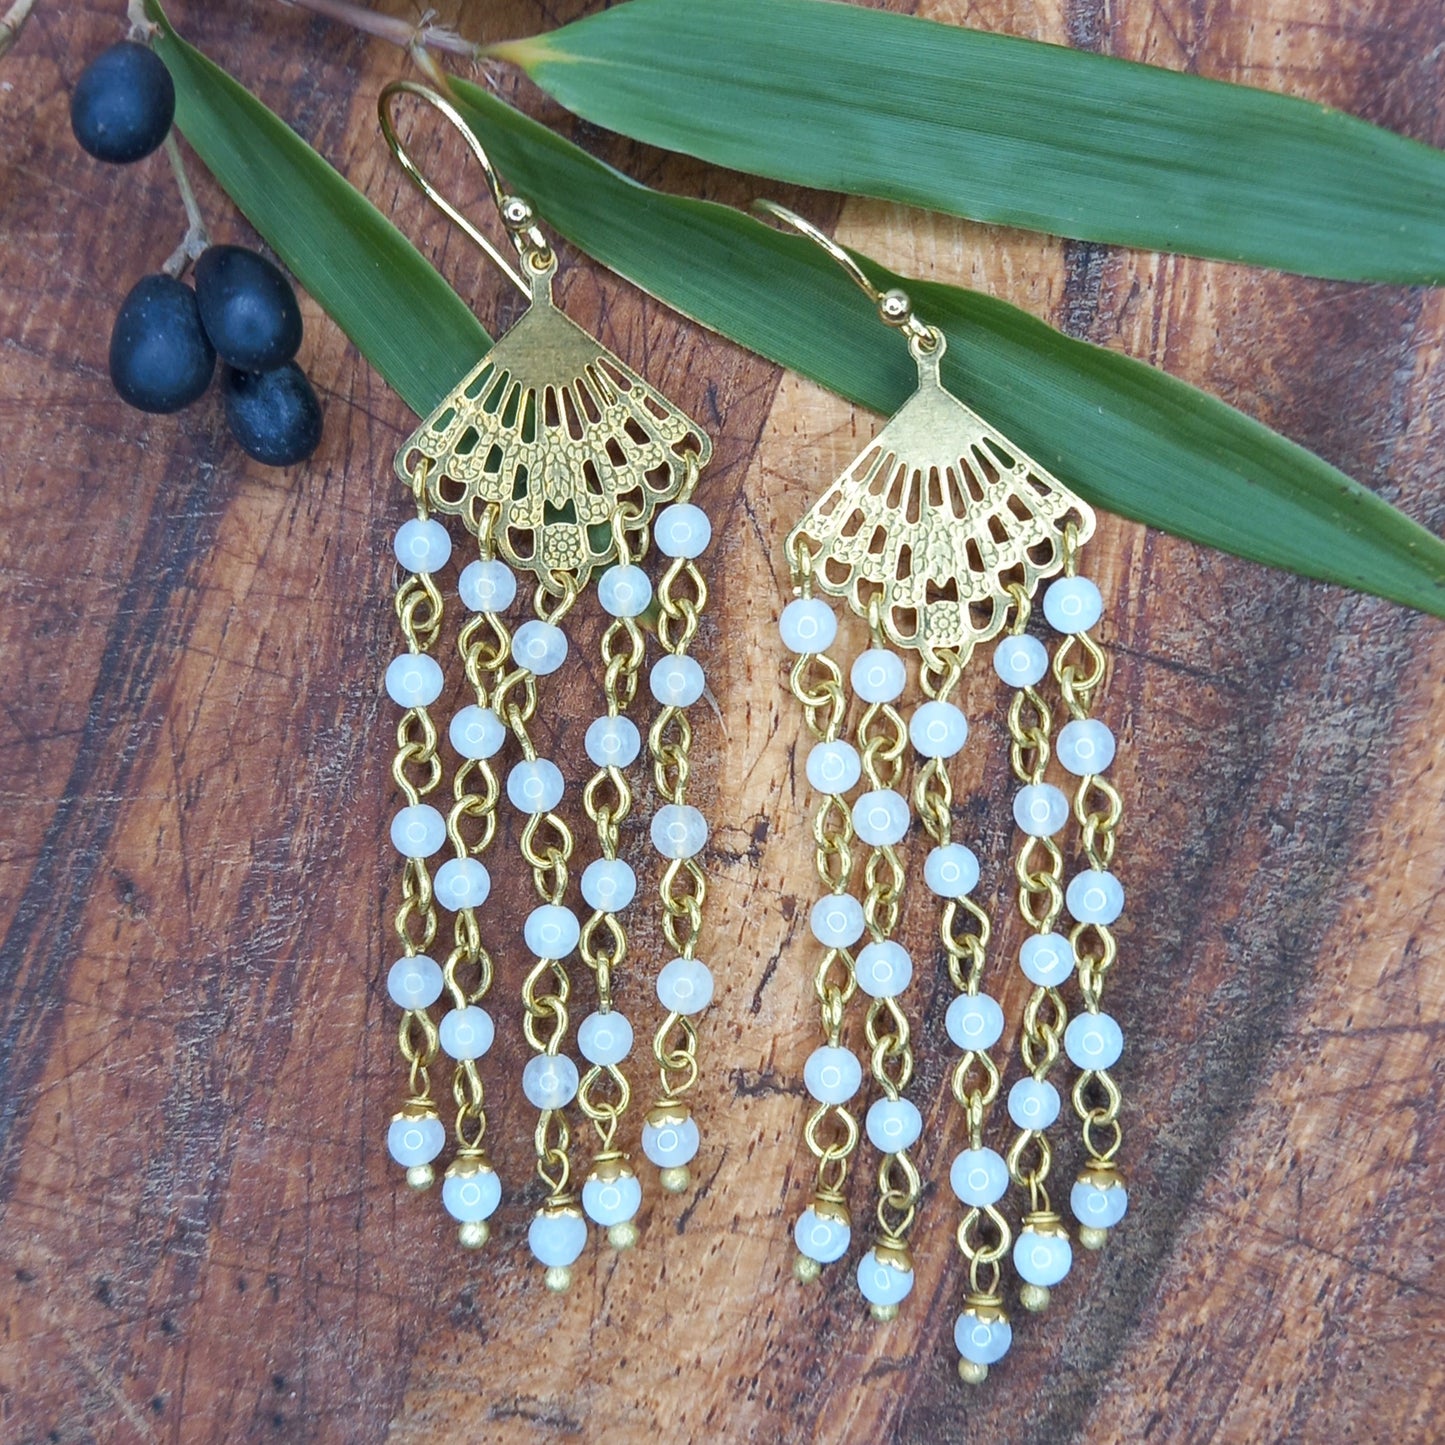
(938, 729)
(473, 1196)
(539, 647)
(974, 1021)
(979, 1177)
(535, 787)
(608, 885)
(1073, 604)
(951, 870)
(884, 969)
(1040, 809)
(671, 1143)
(413, 680)
(684, 986)
(477, 732)
(834, 767)
(462, 883)
(551, 931)
(878, 675)
(612, 1201)
(422, 545)
(678, 830)
(1085, 746)
(682, 530)
(1042, 1259)
(418, 831)
(556, 1240)
(893, 1125)
(881, 817)
(550, 1081)
(1033, 1103)
(604, 1039)
(821, 1237)
(1093, 1041)
(832, 1075)
(489, 586)
(982, 1342)
(1046, 959)
(1095, 896)
(624, 591)
(807, 625)
(1021, 661)
(837, 920)
(882, 1283)
(414, 982)
(466, 1033)
(415, 1141)
(613, 742)
(1101, 1208)
(676, 681)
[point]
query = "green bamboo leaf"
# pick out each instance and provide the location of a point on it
(1005, 130)
(382, 292)
(1130, 439)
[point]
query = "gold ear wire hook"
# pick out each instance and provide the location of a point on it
(894, 307)
(517, 215)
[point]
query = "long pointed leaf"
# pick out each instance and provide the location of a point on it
(1007, 130)
(1129, 438)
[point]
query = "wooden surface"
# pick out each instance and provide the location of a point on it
(202, 1236)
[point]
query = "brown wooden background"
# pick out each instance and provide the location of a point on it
(202, 1237)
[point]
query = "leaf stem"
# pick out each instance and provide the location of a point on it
(196, 238)
(388, 27)
(14, 18)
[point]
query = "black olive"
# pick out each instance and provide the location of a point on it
(248, 308)
(274, 415)
(123, 104)
(160, 356)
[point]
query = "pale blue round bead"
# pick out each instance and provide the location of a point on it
(551, 930)
(612, 1201)
(881, 817)
(1095, 896)
(671, 1143)
(878, 675)
(893, 1125)
(678, 830)
(837, 920)
(415, 982)
(974, 1021)
(624, 591)
(418, 831)
(684, 986)
(1046, 959)
(1093, 1041)
(473, 1196)
(1021, 661)
(413, 680)
(613, 742)
(1042, 1259)
(550, 1081)
(466, 1033)
(422, 545)
(834, 767)
(883, 969)
(1085, 747)
(951, 870)
(608, 884)
(938, 729)
(807, 626)
(415, 1141)
(832, 1074)
(821, 1237)
(556, 1240)
(462, 883)
(477, 732)
(487, 586)
(604, 1039)
(1033, 1103)
(979, 1177)
(539, 646)
(535, 786)
(881, 1283)
(676, 680)
(1073, 604)
(983, 1342)
(1040, 809)
(1100, 1208)
(682, 530)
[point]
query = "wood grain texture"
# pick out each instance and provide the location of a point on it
(202, 1236)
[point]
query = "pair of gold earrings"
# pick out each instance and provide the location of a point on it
(562, 463)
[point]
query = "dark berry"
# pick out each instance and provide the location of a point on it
(160, 356)
(248, 308)
(124, 103)
(274, 415)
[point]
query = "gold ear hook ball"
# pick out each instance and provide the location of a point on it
(895, 308)
(516, 213)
